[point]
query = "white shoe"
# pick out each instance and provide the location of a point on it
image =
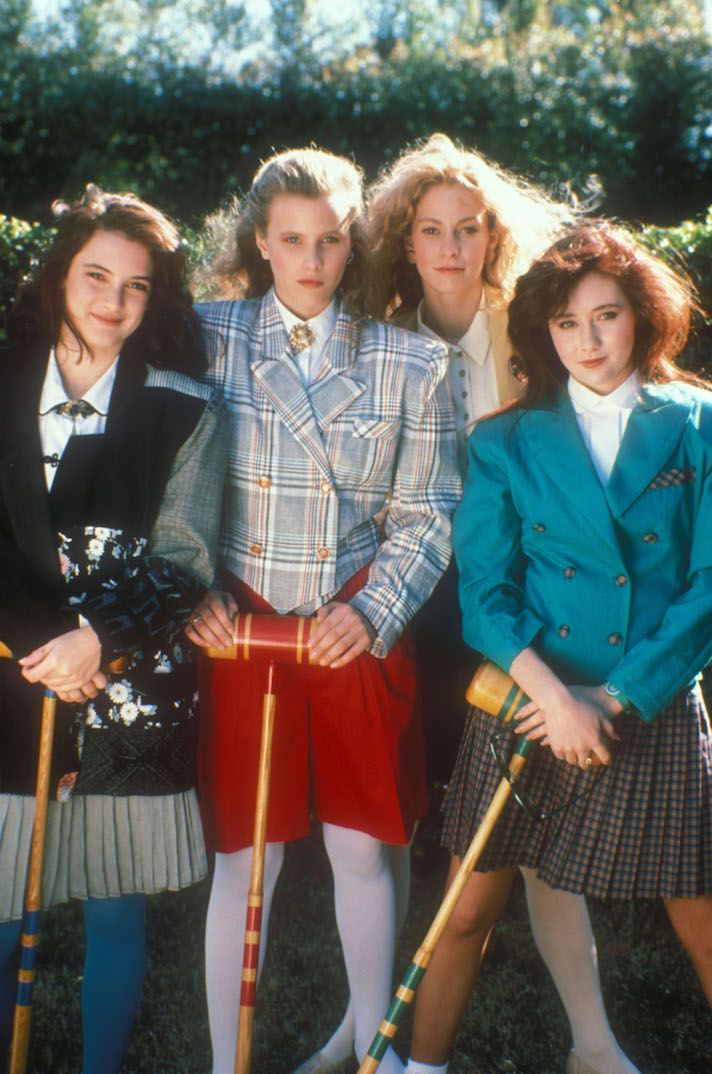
(319, 1064)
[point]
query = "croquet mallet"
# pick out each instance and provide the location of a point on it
(283, 638)
(495, 692)
(32, 906)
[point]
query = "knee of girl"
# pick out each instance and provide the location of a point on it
(116, 919)
(470, 924)
(355, 853)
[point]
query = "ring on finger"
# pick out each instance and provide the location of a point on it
(588, 761)
(196, 619)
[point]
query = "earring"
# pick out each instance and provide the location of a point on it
(350, 258)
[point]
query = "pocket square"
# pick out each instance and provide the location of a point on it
(674, 476)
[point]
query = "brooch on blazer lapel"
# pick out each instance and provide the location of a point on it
(666, 478)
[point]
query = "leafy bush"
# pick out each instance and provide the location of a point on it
(625, 97)
(689, 245)
(20, 245)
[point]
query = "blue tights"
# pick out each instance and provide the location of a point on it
(114, 969)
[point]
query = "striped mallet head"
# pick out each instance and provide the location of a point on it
(284, 638)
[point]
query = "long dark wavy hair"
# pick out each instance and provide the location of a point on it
(169, 336)
(239, 270)
(662, 298)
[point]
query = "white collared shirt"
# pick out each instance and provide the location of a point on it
(471, 375)
(56, 429)
(308, 361)
(602, 420)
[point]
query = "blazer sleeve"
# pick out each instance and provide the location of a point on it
(166, 583)
(29, 614)
(487, 534)
(654, 670)
(425, 490)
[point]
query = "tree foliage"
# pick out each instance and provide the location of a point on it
(559, 92)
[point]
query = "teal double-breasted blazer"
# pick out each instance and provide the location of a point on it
(607, 583)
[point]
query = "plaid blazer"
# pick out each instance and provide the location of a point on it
(359, 468)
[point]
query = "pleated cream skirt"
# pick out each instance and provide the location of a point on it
(102, 846)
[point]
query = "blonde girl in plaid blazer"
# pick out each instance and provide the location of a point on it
(342, 478)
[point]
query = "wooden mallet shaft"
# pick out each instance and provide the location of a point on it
(29, 939)
(405, 994)
(253, 923)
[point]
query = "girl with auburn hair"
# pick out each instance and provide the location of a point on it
(451, 232)
(341, 483)
(107, 534)
(584, 546)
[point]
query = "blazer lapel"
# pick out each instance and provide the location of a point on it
(22, 471)
(654, 428)
(130, 378)
(334, 389)
(555, 438)
(275, 372)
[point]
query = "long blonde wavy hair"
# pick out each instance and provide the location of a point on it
(522, 218)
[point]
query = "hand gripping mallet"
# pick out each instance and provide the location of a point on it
(496, 693)
(284, 638)
(33, 891)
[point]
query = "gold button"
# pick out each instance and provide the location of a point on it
(265, 482)
(569, 572)
(621, 579)
(564, 630)
(322, 553)
(650, 538)
(326, 487)
(256, 549)
(615, 638)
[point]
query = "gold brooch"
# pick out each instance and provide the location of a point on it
(301, 336)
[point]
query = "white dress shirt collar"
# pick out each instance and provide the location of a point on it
(309, 360)
(476, 340)
(624, 397)
(57, 429)
(54, 392)
(603, 419)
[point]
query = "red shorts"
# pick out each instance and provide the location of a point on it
(348, 743)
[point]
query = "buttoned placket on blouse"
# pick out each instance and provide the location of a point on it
(56, 429)
(603, 419)
(308, 361)
(471, 375)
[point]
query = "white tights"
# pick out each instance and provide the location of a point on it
(365, 903)
(224, 941)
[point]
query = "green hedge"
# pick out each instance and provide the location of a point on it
(688, 244)
(628, 102)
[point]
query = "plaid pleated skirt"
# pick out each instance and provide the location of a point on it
(638, 828)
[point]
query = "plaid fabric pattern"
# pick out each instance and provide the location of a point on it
(666, 478)
(360, 467)
(641, 829)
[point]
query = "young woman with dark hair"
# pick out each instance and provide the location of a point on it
(108, 529)
(584, 542)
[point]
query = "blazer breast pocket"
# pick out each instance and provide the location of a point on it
(364, 450)
(375, 428)
(665, 479)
